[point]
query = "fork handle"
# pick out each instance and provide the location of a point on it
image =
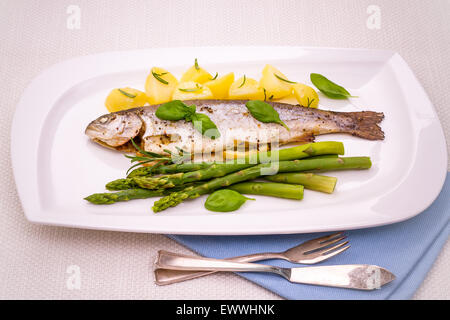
(177, 262)
(168, 276)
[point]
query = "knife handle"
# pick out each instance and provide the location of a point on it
(167, 276)
(171, 261)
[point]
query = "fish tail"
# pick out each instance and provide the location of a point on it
(365, 125)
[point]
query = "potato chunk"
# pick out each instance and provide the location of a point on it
(160, 85)
(246, 88)
(220, 86)
(196, 74)
(191, 90)
(125, 98)
(274, 85)
(305, 95)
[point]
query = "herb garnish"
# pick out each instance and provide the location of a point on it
(145, 158)
(158, 77)
(196, 64)
(225, 200)
(264, 112)
(129, 95)
(329, 88)
(191, 90)
(282, 79)
(215, 77)
(243, 82)
(176, 110)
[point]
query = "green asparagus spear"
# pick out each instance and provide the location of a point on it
(300, 152)
(308, 180)
(124, 195)
(279, 190)
(329, 148)
(325, 156)
(131, 194)
(121, 184)
(170, 168)
(172, 180)
(326, 164)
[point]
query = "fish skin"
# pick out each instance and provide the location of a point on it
(234, 122)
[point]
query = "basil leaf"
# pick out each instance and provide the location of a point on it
(264, 112)
(173, 110)
(225, 200)
(204, 125)
(176, 110)
(329, 88)
(192, 109)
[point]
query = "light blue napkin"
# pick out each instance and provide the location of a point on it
(408, 249)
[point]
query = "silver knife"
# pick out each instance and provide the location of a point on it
(353, 276)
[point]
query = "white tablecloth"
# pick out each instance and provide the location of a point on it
(35, 261)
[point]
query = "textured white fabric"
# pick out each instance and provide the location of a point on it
(34, 259)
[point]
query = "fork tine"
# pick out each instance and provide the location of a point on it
(323, 245)
(335, 252)
(316, 243)
(328, 250)
(329, 237)
(311, 254)
(325, 256)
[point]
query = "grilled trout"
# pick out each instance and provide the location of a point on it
(235, 123)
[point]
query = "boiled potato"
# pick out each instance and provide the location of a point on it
(220, 86)
(305, 95)
(273, 85)
(196, 74)
(246, 88)
(191, 90)
(290, 99)
(160, 91)
(125, 98)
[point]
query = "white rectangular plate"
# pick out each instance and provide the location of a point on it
(55, 165)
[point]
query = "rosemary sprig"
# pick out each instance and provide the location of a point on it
(191, 90)
(265, 96)
(129, 95)
(196, 64)
(158, 159)
(215, 77)
(310, 102)
(158, 77)
(243, 82)
(146, 157)
(282, 79)
(180, 157)
(147, 153)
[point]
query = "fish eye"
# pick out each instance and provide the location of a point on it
(103, 120)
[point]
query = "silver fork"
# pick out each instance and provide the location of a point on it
(309, 252)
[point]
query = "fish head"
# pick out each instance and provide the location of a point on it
(115, 129)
